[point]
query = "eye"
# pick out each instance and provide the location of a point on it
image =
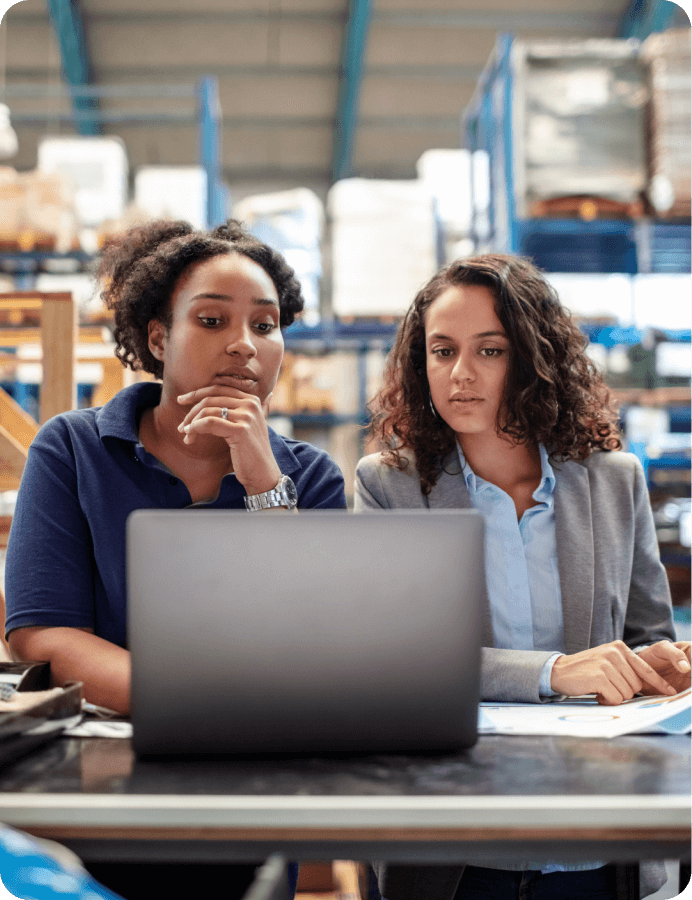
(444, 352)
(209, 321)
(491, 352)
(265, 327)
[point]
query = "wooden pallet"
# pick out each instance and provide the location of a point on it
(585, 207)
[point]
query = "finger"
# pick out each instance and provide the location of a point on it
(212, 406)
(650, 675)
(211, 390)
(680, 661)
(671, 653)
(213, 425)
(616, 671)
(685, 648)
(607, 693)
(626, 679)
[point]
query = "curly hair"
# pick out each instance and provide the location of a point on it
(553, 393)
(141, 268)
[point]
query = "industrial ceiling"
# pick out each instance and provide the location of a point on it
(310, 90)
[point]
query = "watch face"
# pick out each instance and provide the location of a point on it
(288, 489)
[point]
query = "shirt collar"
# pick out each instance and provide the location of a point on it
(119, 418)
(475, 484)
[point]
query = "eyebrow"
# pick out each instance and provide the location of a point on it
(482, 334)
(257, 301)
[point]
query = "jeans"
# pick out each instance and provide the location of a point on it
(500, 884)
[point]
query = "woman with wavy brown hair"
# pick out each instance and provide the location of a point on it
(490, 402)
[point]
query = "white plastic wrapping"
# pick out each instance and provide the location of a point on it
(383, 245)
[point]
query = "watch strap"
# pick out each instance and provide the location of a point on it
(283, 494)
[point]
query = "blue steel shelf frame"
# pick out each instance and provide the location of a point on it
(596, 246)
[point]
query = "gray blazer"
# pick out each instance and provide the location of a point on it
(611, 578)
(612, 581)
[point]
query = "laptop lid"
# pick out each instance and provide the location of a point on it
(316, 632)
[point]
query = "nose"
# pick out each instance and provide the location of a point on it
(240, 342)
(463, 368)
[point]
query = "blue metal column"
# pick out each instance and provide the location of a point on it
(66, 18)
(507, 78)
(643, 17)
(209, 118)
(350, 78)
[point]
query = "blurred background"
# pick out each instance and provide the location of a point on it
(370, 141)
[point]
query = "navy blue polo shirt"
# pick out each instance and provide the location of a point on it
(85, 474)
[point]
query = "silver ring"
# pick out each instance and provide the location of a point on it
(224, 412)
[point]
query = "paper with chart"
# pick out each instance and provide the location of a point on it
(584, 717)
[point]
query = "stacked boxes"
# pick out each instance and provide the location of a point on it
(668, 122)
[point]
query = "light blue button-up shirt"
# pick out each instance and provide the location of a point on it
(523, 585)
(521, 566)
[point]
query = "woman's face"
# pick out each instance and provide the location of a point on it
(466, 359)
(224, 328)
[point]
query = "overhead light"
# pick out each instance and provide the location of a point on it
(8, 136)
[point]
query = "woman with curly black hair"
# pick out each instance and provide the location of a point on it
(203, 312)
(490, 402)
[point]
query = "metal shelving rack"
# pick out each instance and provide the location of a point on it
(568, 245)
(564, 245)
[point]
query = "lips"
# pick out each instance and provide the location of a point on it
(245, 379)
(465, 398)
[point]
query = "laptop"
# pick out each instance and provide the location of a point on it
(317, 632)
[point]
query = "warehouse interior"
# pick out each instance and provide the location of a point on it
(370, 141)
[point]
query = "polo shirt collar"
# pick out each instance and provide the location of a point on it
(119, 418)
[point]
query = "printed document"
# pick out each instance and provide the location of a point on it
(584, 717)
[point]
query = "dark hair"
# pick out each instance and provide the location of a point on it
(553, 393)
(141, 268)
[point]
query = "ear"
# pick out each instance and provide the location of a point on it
(157, 333)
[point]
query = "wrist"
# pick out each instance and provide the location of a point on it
(555, 666)
(259, 483)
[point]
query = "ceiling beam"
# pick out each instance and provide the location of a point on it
(165, 119)
(643, 17)
(350, 77)
(505, 20)
(178, 74)
(66, 19)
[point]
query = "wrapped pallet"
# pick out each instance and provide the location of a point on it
(50, 209)
(667, 55)
(37, 211)
(12, 213)
(578, 124)
(384, 245)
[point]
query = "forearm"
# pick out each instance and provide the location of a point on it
(76, 655)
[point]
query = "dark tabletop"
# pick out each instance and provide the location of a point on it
(497, 765)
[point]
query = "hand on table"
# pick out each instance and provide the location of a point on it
(244, 429)
(671, 661)
(612, 671)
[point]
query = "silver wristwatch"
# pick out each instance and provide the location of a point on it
(284, 494)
